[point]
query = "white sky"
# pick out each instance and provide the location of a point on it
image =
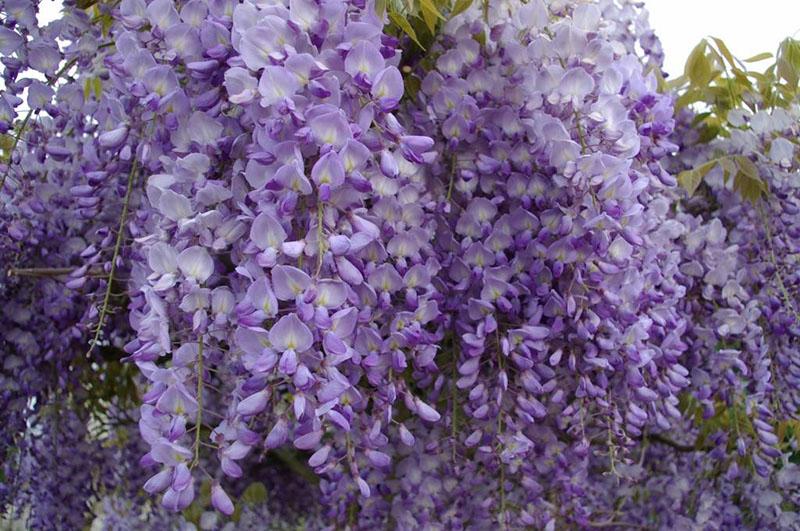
(748, 27)
(48, 10)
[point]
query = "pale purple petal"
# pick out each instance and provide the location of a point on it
(290, 333)
(241, 86)
(308, 441)
(196, 263)
(220, 500)
(330, 294)
(289, 282)
(253, 404)
(576, 84)
(267, 232)
(328, 170)
(276, 84)
(388, 88)
(364, 60)
(331, 129)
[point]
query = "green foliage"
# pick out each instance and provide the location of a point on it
(714, 77)
(6, 144)
(788, 64)
(255, 494)
(430, 14)
(459, 6)
(714, 83)
(404, 26)
(420, 20)
(92, 86)
(109, 385)
(731, 418)
(746, 180)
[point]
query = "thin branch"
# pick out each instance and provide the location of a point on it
(50, 272)
(104, 310)
(655, 437)
(615, 523)
(199, 419)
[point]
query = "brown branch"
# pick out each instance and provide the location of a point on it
(615, 523)
(655, 437)
(51, 272)
(652, 437)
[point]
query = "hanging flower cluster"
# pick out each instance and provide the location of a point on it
(738, 263)
(278, 239)
(59, 198)
(454, 288)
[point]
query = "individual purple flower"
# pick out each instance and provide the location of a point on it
(330, 129)
(196, 263)
(220, 500)
(276, 84)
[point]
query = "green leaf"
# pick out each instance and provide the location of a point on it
(689, 97)
(789, 62)
(747, 181)
(709, 132)
(459, 7)
(97, 85)
(759, 57)
(412, 86)
(700, 118)
(430, 20)
(401, 22)
(254, 494)
(698, 67)
(480, 37)
(729, 168)
(742, 81)
(691, 179)
(726, 53)
(6, 143)
(430, 14)
(194, 512)
(86, 4)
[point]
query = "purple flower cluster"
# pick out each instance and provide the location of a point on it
(456, 289)
(277, 239)
(59, 195)
(563, 295)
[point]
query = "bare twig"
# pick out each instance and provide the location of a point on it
(51, 272)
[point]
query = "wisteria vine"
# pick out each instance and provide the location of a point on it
(351, 264)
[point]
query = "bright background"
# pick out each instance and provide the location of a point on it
(748, 27)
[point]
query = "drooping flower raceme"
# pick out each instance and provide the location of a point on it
(291, 252)
(455, 289)
(562, 289)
